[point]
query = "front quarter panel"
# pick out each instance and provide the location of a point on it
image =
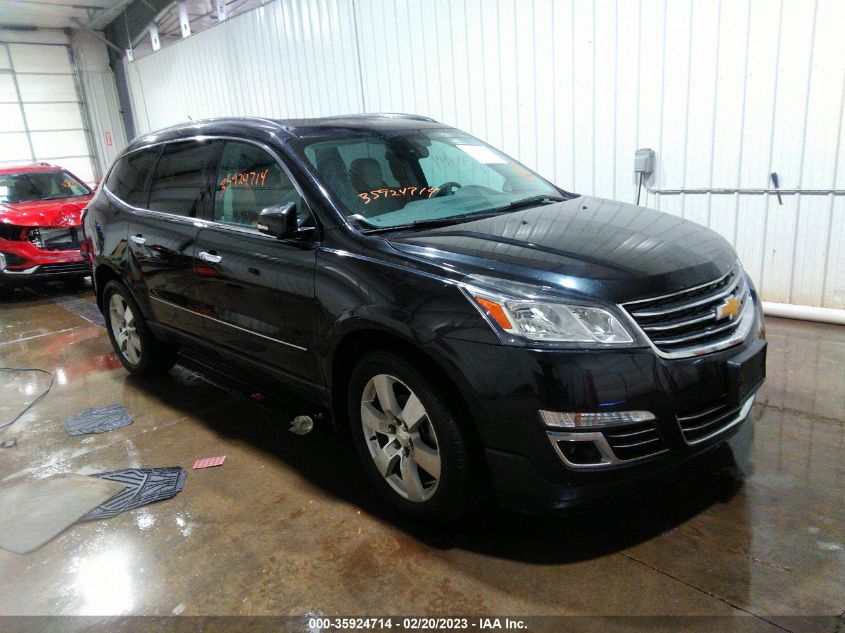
(360, 292)
(105, 230)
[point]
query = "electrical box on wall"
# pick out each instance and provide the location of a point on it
(644, 161)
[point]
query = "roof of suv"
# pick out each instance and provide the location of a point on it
(360, 121)
(286, 128)
(27, 168)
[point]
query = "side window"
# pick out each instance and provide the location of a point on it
(129, 176)
(249, 180)
(180, 182)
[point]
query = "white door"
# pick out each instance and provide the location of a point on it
(41, 116)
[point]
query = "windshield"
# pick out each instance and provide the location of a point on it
(40, 185)
(395, 179)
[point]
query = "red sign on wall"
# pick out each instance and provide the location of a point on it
(108, 139)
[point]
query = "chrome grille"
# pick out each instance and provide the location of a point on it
(635, 442)
(685, 323)
(712, 420)
(64, 268)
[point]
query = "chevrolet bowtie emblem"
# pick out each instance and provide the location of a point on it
(729, 309)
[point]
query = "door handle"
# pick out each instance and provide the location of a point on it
(138, 239)
(211, 258)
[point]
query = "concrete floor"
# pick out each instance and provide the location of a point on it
(290, 526)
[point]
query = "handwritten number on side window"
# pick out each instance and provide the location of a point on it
(244, 179)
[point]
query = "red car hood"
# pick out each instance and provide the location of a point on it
(65, 212)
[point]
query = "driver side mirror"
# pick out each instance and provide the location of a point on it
(279, 221)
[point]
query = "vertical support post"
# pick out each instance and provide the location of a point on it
(20, 102)
(98, 164)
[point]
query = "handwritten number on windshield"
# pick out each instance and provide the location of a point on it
(375, 194)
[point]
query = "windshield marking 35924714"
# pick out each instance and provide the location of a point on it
(402, 179)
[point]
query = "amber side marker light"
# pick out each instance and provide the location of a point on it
(496, 311)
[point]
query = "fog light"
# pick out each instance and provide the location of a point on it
(2, 262)
(580, 453)
(566, 420)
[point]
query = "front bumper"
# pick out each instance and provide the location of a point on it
(23, 262)
(506, 387)
(519, 485)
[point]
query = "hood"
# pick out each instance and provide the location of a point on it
(585, 246)
(54, 213)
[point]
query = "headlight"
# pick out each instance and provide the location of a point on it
(527, 316)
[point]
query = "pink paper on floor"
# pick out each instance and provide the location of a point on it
(208, 462)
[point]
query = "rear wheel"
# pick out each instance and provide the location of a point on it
(137, 347)
(410, 440)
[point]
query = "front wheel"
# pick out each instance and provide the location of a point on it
(139, 350)
(410, 440)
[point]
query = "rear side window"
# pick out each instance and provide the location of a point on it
(249, 180)
(128, 177)
(180, 183)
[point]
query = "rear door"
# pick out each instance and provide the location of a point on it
(258, 290)
(163, 234)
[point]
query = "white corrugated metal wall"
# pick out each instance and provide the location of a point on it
(725, 91)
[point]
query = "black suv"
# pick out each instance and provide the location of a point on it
(469, 324)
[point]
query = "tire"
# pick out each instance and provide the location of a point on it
(412, 447)
(140, 352)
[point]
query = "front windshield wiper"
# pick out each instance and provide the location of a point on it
(475, 215)
(432, 223)
(529, 202)
(58, 196)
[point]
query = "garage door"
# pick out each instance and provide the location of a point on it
(41, 110)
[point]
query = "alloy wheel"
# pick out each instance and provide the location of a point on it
(123, 326)
(400, 437)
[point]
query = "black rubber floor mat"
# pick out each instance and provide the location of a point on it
(98, 420)
(141, 486)
(84, 308)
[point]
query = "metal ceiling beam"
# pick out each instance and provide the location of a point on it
(100, 13)
(85, 27)
(131, 25)
(153, 21)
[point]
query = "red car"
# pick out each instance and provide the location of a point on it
(40, 217)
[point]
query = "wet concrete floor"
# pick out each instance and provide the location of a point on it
(290, 526)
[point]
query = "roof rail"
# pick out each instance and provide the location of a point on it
(395, 115)
(283, 123)
(192, 122)
(402, 115)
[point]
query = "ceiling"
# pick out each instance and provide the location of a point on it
(59, 13)
(201, 15)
